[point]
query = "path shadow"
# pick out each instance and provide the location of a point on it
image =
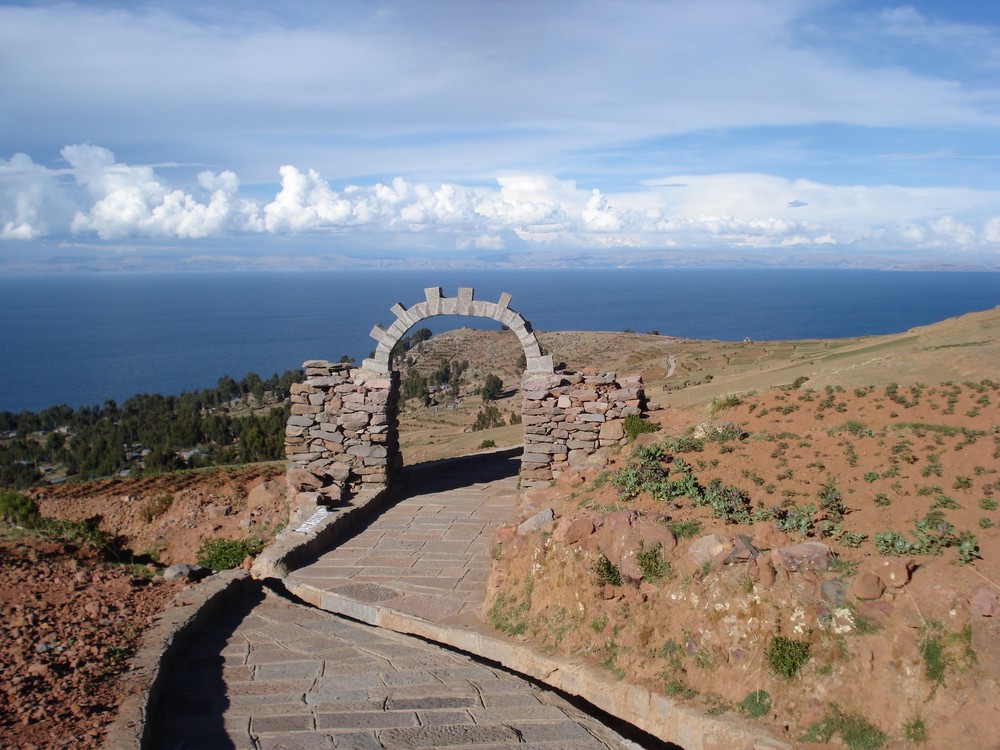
(453, 473)
(190, 695)
(431, 476)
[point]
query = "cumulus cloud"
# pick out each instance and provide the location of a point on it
(31, 201)
(132, 201)
(97, 195)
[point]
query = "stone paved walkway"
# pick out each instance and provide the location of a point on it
(272, 675)
(427, 555)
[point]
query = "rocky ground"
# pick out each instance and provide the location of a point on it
(69, 623)
(71, 614)
(856, 528)
(896, 652)
(165, 518)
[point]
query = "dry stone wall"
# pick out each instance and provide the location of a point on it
(572, 419)
(343, 434)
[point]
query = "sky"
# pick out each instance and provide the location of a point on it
(253, 134)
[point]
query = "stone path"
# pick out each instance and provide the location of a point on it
(272, 675)
(428, 555)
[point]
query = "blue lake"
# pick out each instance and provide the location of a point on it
(81, 339)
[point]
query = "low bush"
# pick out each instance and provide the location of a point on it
(223, 554)
(786, 656)
(156, 507)
(19, 509)
(651, 563)
(756, 704)
(635, 425)
(854, 729)
(606, 573)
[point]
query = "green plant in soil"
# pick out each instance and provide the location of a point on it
(915, 730)
(606, 573)
(635, 425)
(786, 656)
(651, 563)
(856, 732)
(223, 554)
(756, 704)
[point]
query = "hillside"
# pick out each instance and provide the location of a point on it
(810, 538)
(687, 374)
(866, 445)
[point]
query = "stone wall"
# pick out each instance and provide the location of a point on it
(572, 419)
(342, 436)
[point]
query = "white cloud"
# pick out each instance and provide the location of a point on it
(482, 242)
(31, 201)
(132, 201)
(420, 88)
(97, 195)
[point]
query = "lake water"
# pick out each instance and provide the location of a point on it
(81, 339)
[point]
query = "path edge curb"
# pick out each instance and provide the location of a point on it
(659, 715)
(175, 627)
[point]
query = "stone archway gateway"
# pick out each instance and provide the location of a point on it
(464, 304)
(342, 436)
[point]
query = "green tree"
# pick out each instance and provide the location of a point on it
(492, 388)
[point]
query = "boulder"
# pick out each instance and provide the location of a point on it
(265, 494)
(894, 572)
(834, 591)
(302, 479)
(652, 531)
(186, 572)
(573, 530)
(537, 522)
(614, 534)
(611, 431)
(707, 548)
(984, 602)
(867, 586)
(802, 556)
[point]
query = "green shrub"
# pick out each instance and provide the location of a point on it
(19, 509)
(223, 554)
(156, 507)
(635, 425)
(723, 402)
(785, 656)
(685, 529)
(606, 572)
(915, 730)
(728, 503)
(854, 729)
(797, 518)
(726, 432)
(756, 704)
(487, 418)
(931, 535)
(684, 444)
(487, 444)
(492, 388)
(651, 562)
(508, 615)
(677, 688)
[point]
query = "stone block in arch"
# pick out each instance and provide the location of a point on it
(434, 304)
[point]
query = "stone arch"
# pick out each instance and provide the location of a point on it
(342, 437)
(436, 304)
